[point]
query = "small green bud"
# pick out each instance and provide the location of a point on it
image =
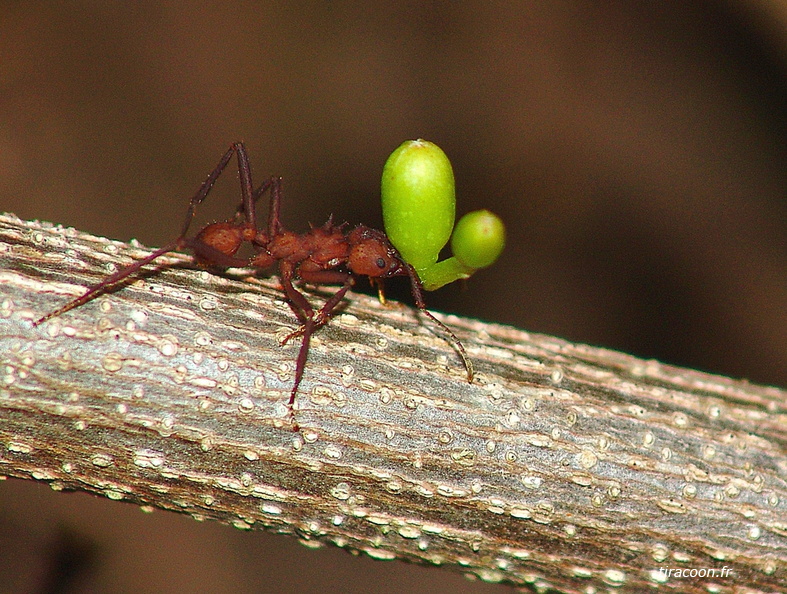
(478, 239)
(418, 201)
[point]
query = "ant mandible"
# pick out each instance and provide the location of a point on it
(326, 255)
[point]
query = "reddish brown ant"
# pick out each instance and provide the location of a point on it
(326, 255)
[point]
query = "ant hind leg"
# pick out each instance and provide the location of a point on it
(179, 242)
(108, 282)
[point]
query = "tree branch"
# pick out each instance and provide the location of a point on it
(562, 465)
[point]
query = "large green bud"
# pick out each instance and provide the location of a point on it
(419, 201)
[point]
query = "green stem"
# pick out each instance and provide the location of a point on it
(442, 273)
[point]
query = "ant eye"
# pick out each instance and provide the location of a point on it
(380, 263)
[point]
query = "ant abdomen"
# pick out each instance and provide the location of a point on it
(216, 245)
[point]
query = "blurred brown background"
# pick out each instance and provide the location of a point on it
(636, 151)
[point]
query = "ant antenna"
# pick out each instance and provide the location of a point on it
(417, 290)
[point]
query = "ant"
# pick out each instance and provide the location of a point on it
(326, 255)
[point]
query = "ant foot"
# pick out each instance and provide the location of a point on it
(317, 322)
(298, 332)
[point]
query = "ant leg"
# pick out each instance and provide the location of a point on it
(249, 212)
(255, 196)
(305, 314)
(274, 223)
(307, 329)
(309, 322)
(99, 288)
(262, 189)
(417, 291)
(244, 172)
(204, 190)
(248, 207)
(177, 243)
(300, 365)
(298, 303)
(326, 310)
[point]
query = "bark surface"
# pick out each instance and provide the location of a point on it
(562, 466)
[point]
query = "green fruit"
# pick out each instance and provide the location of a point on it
(478, 239)
(419, 201)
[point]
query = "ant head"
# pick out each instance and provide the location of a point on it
(372, 255)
